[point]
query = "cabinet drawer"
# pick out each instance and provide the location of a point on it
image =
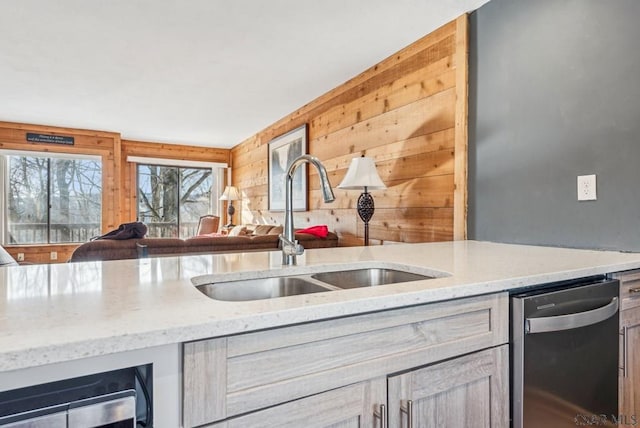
(349, 406)
(252, 371)
(629, 288)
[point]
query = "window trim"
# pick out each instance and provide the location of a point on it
(4, 180)
(53, 155)
(182, 163)
(218, 170)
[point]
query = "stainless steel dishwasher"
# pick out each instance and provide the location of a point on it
(564, 341)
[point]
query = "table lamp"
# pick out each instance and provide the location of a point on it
(362, 174)
(230, 194)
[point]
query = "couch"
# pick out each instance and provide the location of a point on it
(240, 239)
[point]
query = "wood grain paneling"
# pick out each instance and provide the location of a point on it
(409, 113)
(37, 254)
(461, 138)
(118, 175)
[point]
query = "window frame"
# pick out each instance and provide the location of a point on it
(4, 181)
(217, 171)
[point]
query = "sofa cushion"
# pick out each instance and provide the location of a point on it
(238, 231)
(231, 243)
(260, 240)
(106, 249)
(276, 230)
(262, 229)
(163, 246)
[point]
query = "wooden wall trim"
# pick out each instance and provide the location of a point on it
(461, 131)
(56, 129)
(174, 151)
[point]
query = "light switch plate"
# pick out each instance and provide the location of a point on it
(587, 187)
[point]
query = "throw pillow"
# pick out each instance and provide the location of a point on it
(262, 229)
(277, 230)
(237, 231)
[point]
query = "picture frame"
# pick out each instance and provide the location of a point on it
(282, 151)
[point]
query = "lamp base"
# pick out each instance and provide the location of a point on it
(366, 208)
(230, 212)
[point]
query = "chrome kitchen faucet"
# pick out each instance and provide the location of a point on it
(290, 247)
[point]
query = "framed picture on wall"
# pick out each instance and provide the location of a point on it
(282, 151)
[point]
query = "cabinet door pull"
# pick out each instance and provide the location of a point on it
(382, 415)
(625, 350)
(634, 290)
(408, 410)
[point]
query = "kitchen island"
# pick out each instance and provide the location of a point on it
(56, 319)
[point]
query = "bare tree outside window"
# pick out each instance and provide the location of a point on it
(53, 200)
(172, 199)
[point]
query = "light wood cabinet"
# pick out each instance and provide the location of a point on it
(629, 385)
(629, 380)
(347, 407)
(469, 391)
(238, 377)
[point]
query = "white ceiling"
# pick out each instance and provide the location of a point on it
(203, 72)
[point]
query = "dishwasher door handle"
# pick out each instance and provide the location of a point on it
(571, 321)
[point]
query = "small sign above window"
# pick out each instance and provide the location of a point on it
(51, 139)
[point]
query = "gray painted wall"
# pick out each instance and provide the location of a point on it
(554, 92)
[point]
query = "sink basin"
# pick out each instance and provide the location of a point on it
(258, 289)
(367, 277)
(306, 283)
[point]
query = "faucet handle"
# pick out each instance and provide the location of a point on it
(291, 248)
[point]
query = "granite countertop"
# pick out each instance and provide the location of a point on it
(54, 313)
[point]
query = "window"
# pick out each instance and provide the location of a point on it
(171, 199)
(55, 199)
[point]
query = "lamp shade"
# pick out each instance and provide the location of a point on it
(362, 173)
(230, 194)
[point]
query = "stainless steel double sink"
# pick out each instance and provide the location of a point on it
(282, 286)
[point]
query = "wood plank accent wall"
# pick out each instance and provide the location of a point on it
(118, 183)
(409, 113)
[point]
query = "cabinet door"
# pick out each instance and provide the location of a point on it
(347, 407)
(469, 391)
(629, 385)
(629, 381)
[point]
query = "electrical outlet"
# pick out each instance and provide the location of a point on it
(20, 257)
(54, 255)
(587, 187)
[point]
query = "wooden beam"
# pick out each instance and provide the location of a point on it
(461, 140)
